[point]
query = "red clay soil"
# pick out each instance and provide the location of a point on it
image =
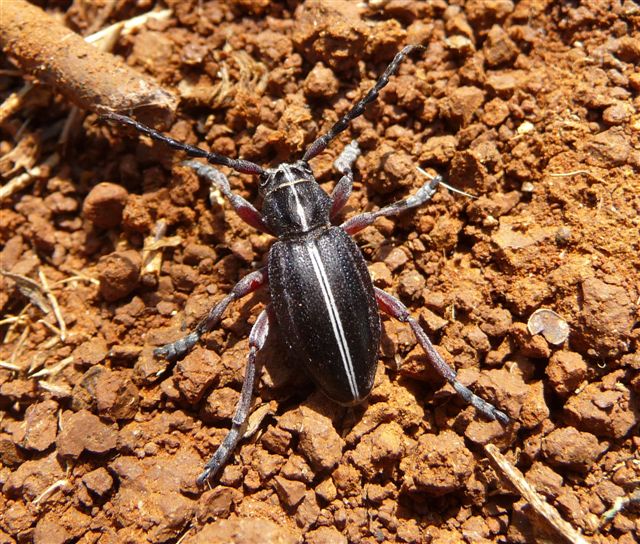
(530, 106)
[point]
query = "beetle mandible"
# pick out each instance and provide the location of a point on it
(322, 296)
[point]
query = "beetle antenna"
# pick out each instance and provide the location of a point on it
(450, 187)
(321, 143)
(239, 165)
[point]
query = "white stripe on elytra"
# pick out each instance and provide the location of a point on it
(334, 317)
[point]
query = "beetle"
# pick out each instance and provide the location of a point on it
(322, 297)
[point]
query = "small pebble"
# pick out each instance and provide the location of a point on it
(616, 114)
(553, 327)
(527, 187)
(290, 492)
(396, 259)
(103, 206)
(118, 274)
(566, 371)
(117, 397)
(321, 82)
(563, 236)
(98, 481)
(569, 448)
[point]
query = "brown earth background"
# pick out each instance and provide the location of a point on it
(530, 106)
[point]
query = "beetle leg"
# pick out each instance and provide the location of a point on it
(422, 195)
(395, 308)
(344, 165)
(247, 212)
(257, 339)
(239, 165)
(178, 349)
(358, 109)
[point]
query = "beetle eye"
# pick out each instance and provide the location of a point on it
(264, 180)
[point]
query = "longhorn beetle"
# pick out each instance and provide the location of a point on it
(322, 296)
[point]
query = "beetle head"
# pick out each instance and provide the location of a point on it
(294, 203)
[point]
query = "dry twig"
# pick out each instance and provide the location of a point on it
(574, 173)
(9, 366)
(22, 156)
(13, 102)
(91, 79)
(619, 504)
(152, 250)
(529, 494)
(123, 28)
(257, 417)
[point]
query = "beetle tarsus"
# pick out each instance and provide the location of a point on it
(484, 407)
(344, 162)
(178, 349)
(422, 195)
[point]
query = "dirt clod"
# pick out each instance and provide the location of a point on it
(325, 535)
(82, 431)
(379, 450)
(321, 82)
(47, 531)
(90, 353)
(118, 274)
(568, 447)
(195, 373)
(544, 479)
(319, 441)
(566, 371)
(291, 493)
(39, 428)
(603, 408)
(242, 530)
(117, 397)
(218, 503)
(159, 481)
(499, 48)
(10, 455)
(103, 206)
(98, 481)
(442, 464)
(462, 105)
(606, 318)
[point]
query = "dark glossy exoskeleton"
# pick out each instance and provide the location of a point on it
(333, 331)
(322, 296)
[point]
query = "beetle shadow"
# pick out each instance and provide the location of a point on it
(285, 379)
(280, 376)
